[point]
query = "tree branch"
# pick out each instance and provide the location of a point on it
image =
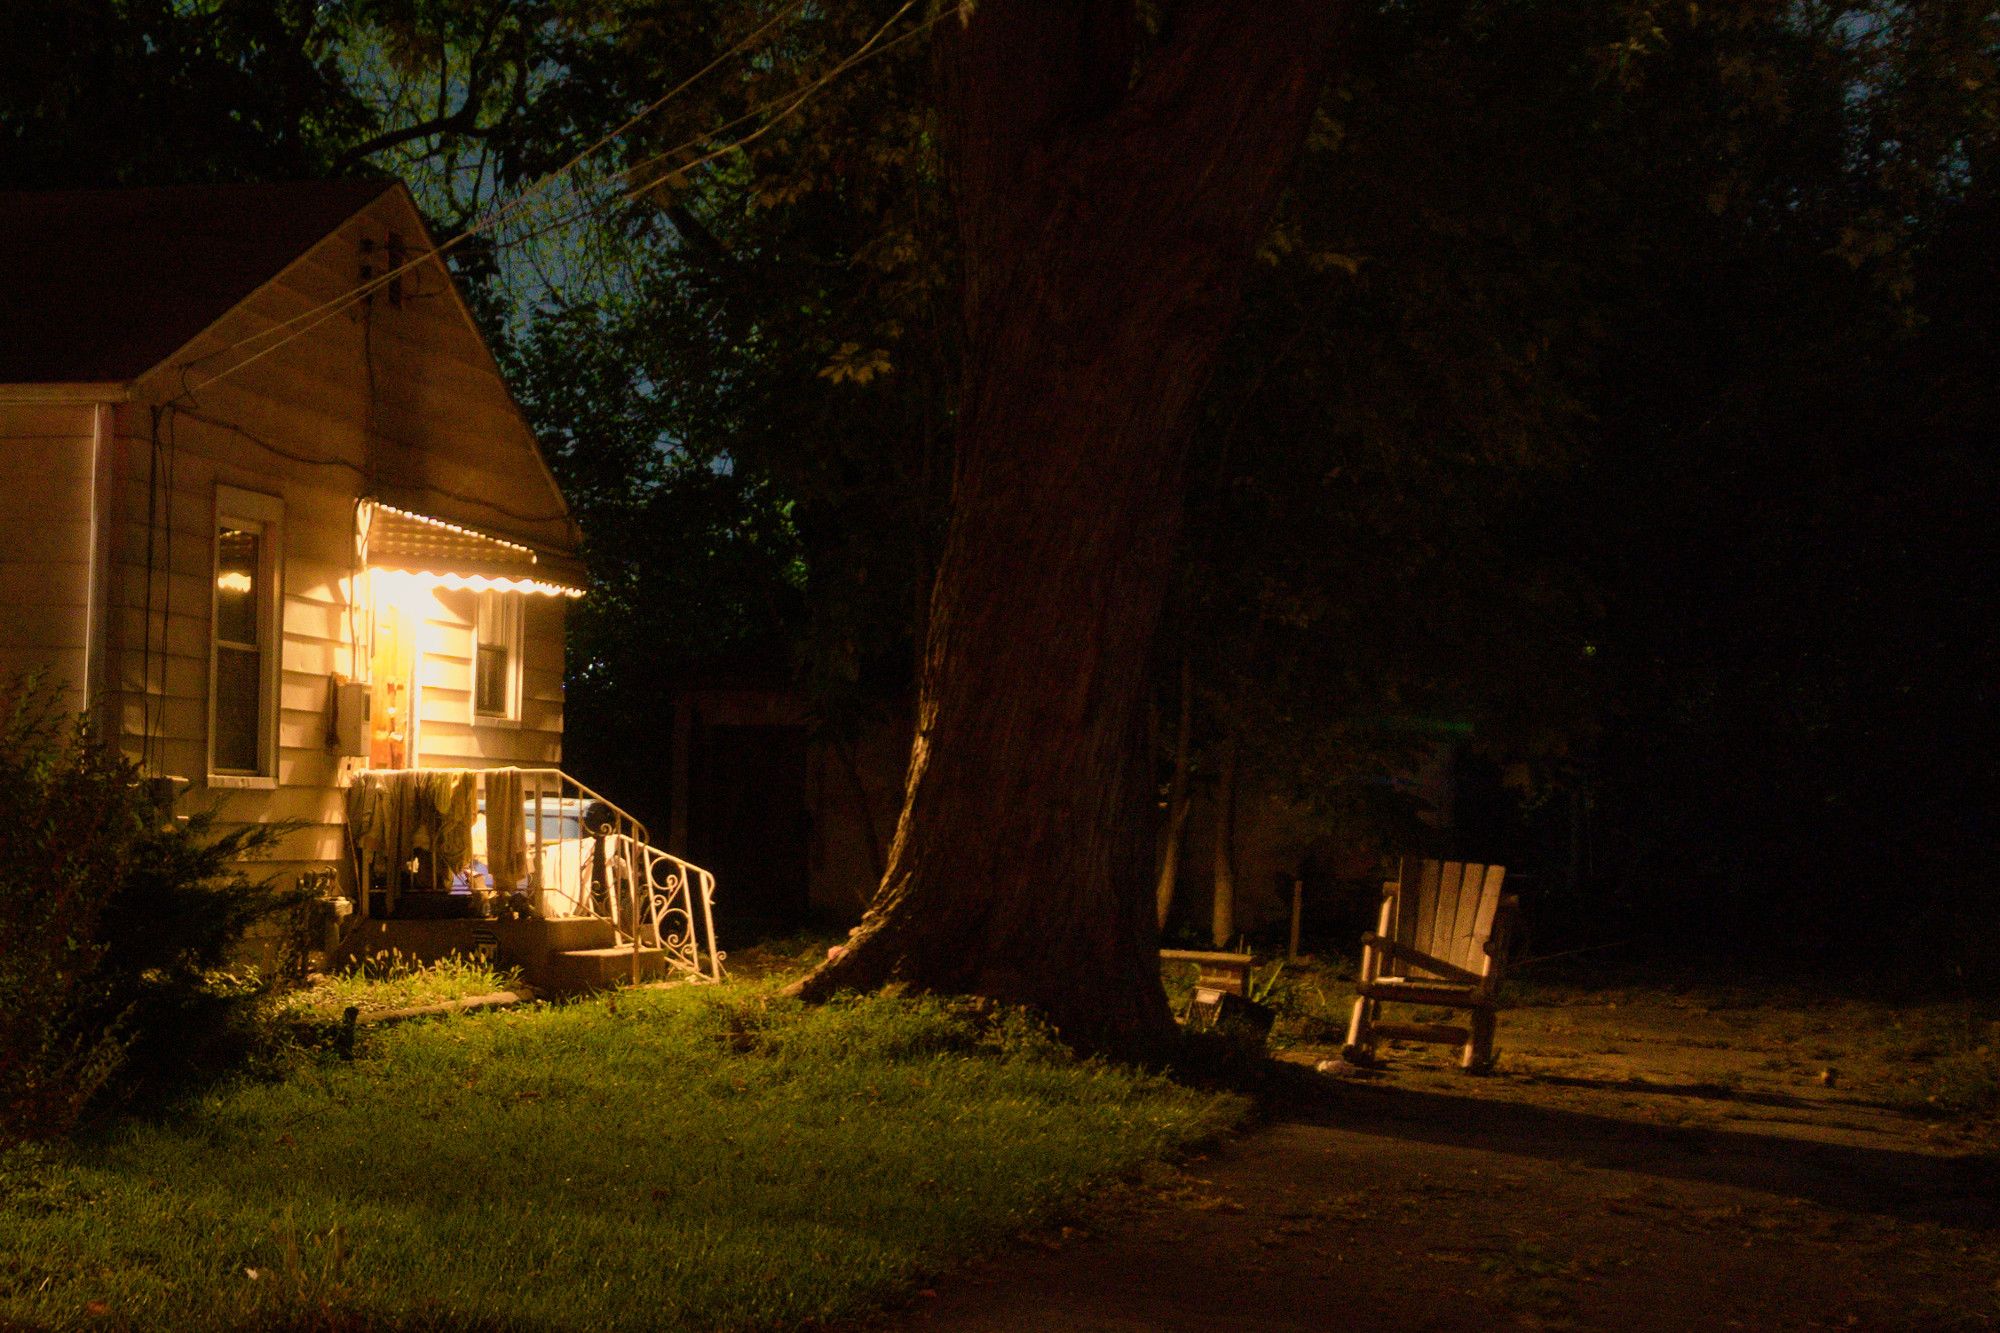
(697, 234)
(464, 121)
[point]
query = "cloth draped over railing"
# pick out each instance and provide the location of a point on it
(415, 825)
(506, 828)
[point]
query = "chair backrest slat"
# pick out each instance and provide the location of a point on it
(1459, 877)
(1433, 882)
(1482, 926)
(1419, 883)
(1445, 909)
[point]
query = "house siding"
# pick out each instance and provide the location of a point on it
(449, 737)
(397, 400)
(161, 695)
(46, 551)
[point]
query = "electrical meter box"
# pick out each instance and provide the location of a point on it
(347, 717)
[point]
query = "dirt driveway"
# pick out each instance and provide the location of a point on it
(1641, 1160)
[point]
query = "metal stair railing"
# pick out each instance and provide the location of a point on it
(652, 899)
(672, 902)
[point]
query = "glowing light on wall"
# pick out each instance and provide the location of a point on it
(234, 580)
(406, 585)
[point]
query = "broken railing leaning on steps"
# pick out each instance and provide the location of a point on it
(424, 840)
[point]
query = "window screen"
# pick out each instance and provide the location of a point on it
(493, 690)
(239, 648)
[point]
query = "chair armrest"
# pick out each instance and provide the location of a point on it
(1405, 953)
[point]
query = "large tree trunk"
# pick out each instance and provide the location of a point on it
(1106, 221)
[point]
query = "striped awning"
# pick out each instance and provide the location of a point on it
(407, 542)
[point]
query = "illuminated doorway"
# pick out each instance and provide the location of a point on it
(393, 685)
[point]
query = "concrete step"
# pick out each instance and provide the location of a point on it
(558, 934)
(575, 971)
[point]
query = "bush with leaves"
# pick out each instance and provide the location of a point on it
(114, 919)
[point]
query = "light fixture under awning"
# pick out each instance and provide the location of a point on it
(450, 555)
(476, 582)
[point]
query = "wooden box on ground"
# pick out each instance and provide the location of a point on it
(1228, 972)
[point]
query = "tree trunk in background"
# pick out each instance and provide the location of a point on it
(1222, 920)
(843, 751)
(1106, 222)
(1177, 802)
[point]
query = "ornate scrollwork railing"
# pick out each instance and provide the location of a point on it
(672, 902)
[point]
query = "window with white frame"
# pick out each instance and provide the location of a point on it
(243, 643)
(496, 655)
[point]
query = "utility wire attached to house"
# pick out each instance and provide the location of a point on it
(779, 108)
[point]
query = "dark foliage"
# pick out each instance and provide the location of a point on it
(1799, 531)
(113, 915)
(696, 564)
(155, 92)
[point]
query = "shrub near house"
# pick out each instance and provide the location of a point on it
(112, 917)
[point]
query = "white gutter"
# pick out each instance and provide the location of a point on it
(101, 426)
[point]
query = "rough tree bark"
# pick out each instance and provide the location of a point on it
(1106, 215)
(1178, 803)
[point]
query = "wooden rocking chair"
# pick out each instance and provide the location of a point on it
(1442, 941)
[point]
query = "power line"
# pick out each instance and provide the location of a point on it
(866, 51)
(526, 197)
(327, 309)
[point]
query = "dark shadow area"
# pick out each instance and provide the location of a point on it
(1915, 1187)
(1711, 1092)
(1714, 1092)
(748, 822)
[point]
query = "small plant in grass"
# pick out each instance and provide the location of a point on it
(395, 980)
(115, 920)
(1264, 989)
(1311, 1002)
(310, 1273)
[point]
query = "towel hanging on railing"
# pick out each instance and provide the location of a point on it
(396, 815)
(506, 829)
(455, 797)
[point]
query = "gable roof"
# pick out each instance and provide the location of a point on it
(103, 285)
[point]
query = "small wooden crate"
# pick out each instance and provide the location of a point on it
(1225, 972)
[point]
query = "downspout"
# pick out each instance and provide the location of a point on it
(101, 421)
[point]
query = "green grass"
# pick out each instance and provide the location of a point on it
(698, 1157)
(392, 981)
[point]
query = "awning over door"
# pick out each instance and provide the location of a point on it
(455, 556)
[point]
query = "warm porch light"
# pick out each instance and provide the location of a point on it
(424, 581)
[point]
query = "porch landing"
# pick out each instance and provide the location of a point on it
(557, 956)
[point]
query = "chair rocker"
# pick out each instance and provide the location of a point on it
(1442, 941)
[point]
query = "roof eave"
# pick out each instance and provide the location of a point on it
(178, 357)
